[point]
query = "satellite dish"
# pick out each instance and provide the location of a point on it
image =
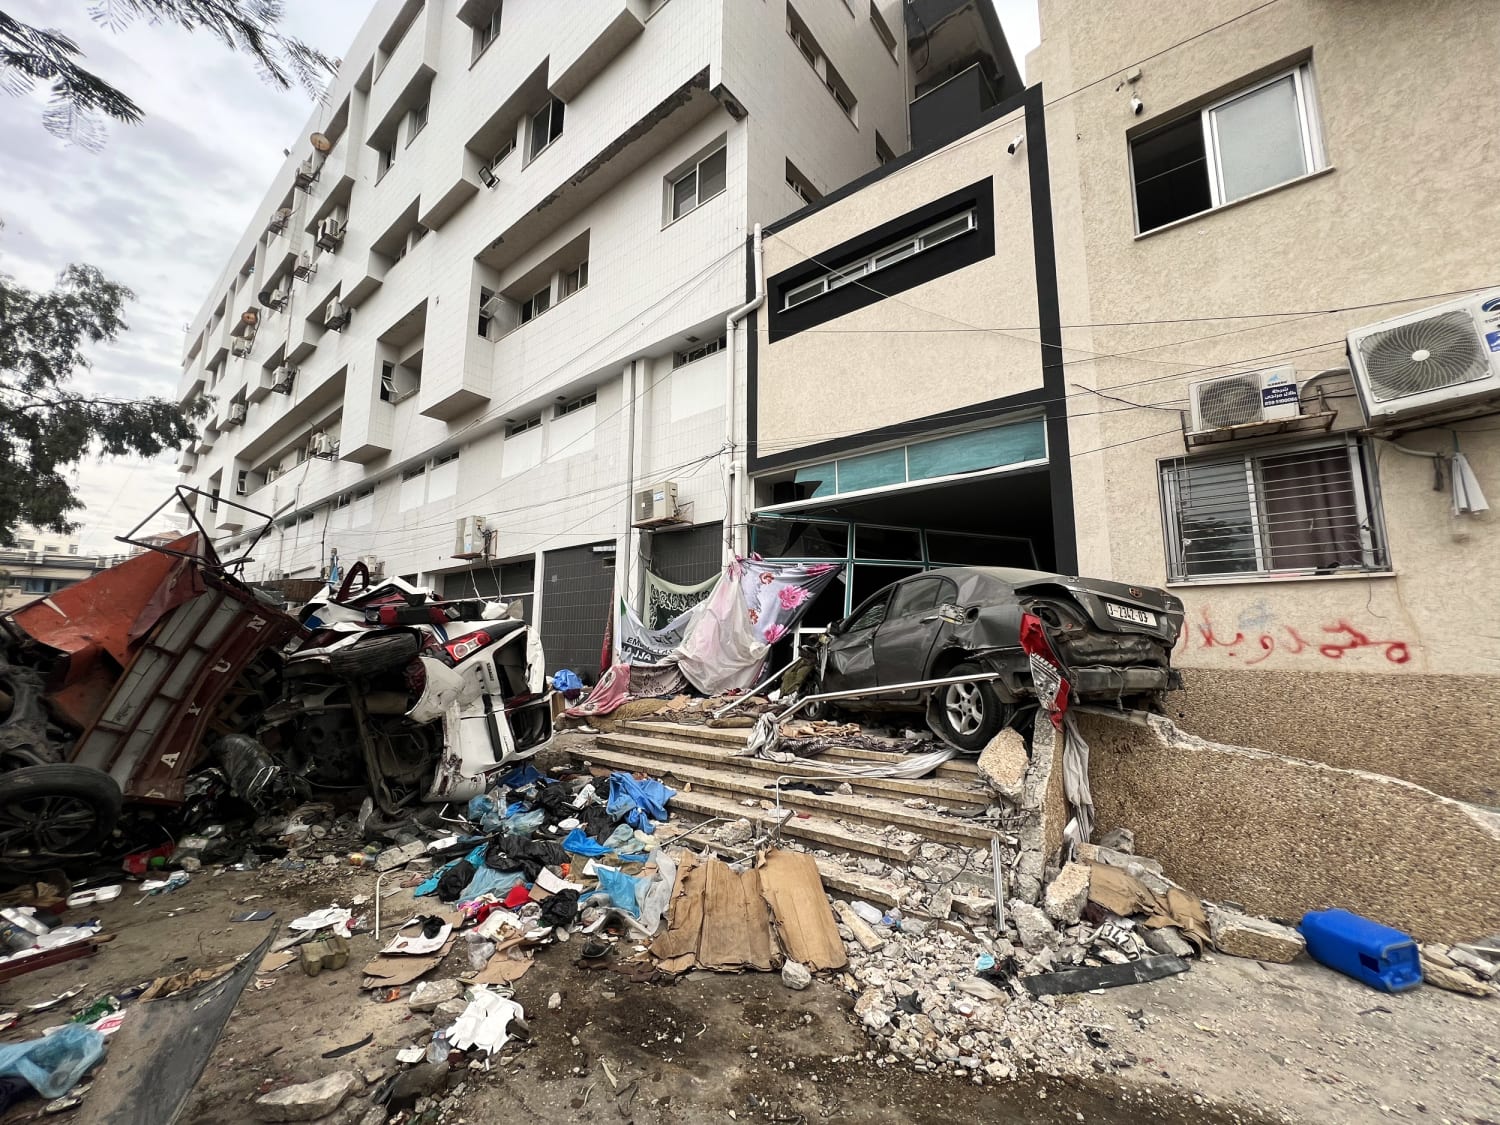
(320, 142)
(249, 316)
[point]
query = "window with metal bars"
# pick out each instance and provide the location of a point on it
(1308, 510)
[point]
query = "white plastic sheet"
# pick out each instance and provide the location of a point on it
(719, 651)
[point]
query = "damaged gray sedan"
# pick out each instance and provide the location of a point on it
(1112, 643)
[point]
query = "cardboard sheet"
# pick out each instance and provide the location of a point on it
(718, 919)
(1121, 893)
(391, 972)
(503, 969)
(804, 922)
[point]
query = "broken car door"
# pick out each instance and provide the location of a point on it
(905, 639)
(851, 653)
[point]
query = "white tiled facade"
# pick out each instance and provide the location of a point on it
(417, 115)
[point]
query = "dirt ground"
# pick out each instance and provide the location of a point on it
(1232, 1041)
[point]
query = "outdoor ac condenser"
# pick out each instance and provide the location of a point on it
(659, 502)
(1268, 395)
(469, 538)
(1439, 360)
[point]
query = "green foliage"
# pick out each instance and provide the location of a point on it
(46, 428)
(29, 55)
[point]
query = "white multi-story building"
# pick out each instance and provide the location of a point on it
(491, 282)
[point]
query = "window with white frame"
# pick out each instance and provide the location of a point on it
(1255, 139)
(801, 184)
(954, 226)
(571, 281)
(416, 121)
(577, 404)
(538, 303)
(1306, 510)
(521, 427)
(385, 157)
(690, 189)
(487, 29)
(546, 127)
(700, 351)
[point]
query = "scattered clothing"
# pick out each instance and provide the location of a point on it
(638, 803)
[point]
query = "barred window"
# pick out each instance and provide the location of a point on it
(1309, 510)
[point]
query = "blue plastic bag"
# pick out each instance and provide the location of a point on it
(524, 824)
(638, 803)
(485, 812)
(53, 1065)
(567, 680)
(619, 888)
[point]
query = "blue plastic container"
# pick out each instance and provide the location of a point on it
(1382, 957)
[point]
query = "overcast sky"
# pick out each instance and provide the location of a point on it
(163, 204)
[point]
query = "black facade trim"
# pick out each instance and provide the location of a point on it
(944, 258)
(972, 416)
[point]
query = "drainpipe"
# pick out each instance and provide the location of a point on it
(734, 465)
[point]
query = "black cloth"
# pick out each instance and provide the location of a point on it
(453, 881)
(555, 802)
(559, 910)
(14, 1091)
(598, 825)
(508, 852)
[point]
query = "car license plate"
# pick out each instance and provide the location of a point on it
(1130, 613)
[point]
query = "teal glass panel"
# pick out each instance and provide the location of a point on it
(872, 470)
(984, 449)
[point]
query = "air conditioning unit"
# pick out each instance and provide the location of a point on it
(1269, 395)
(272, 474)
(336, 316)
(242, 344)
(307, 173)
(304, 268)
(469, 538)
(657, 503)
(277, 298)
(493, 306)
(236, 413)
(375, 566)
(1440, 360)
(330, 234)
(321, 445)
(284, 376)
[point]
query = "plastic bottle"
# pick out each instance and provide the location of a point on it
(437, 1050)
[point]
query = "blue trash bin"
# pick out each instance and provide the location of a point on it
(1380, 956)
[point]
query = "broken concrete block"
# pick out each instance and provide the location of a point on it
(795, 975)
(940, 905)
(309, 1100)
(1473, 962)
(1065, 896)
(1455, 979)
(394, 857)
(1031, 924)
(1027, 889)
(1240, 935)
(1002, 765)
(736, 832)
(978, 907)
(1167, 939)
(430, 993)
(447, 1013)
(868, 939)
(1120, 839)
(1437, 954)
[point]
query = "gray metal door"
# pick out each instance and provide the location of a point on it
(578, 585)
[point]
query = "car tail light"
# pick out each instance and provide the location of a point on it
(461, 648)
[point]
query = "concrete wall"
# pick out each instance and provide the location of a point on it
(927, 349)
(1334, 668)
(1283, 836)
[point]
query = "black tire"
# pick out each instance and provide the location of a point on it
(368, 657)
(967, 715)
(56, 811)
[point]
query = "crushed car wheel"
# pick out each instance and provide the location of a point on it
(57, 810)
(368, 657)
(967, 715)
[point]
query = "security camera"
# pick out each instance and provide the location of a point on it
(1137, 106)
(1015, 144)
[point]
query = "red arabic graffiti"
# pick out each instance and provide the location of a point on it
(1257, 646)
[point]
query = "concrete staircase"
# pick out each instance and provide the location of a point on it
(872, 821)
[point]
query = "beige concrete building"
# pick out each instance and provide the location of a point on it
(1108, 330)
(39, 563)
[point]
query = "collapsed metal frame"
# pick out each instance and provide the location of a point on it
(183, 494)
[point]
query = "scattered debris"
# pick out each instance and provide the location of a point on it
(1240, 935)
(308, 1101)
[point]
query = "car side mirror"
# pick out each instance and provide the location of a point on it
(838, 627)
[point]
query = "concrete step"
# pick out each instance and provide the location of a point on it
(861, 809)
(939, 790)
(817, 830)
(962, 767)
